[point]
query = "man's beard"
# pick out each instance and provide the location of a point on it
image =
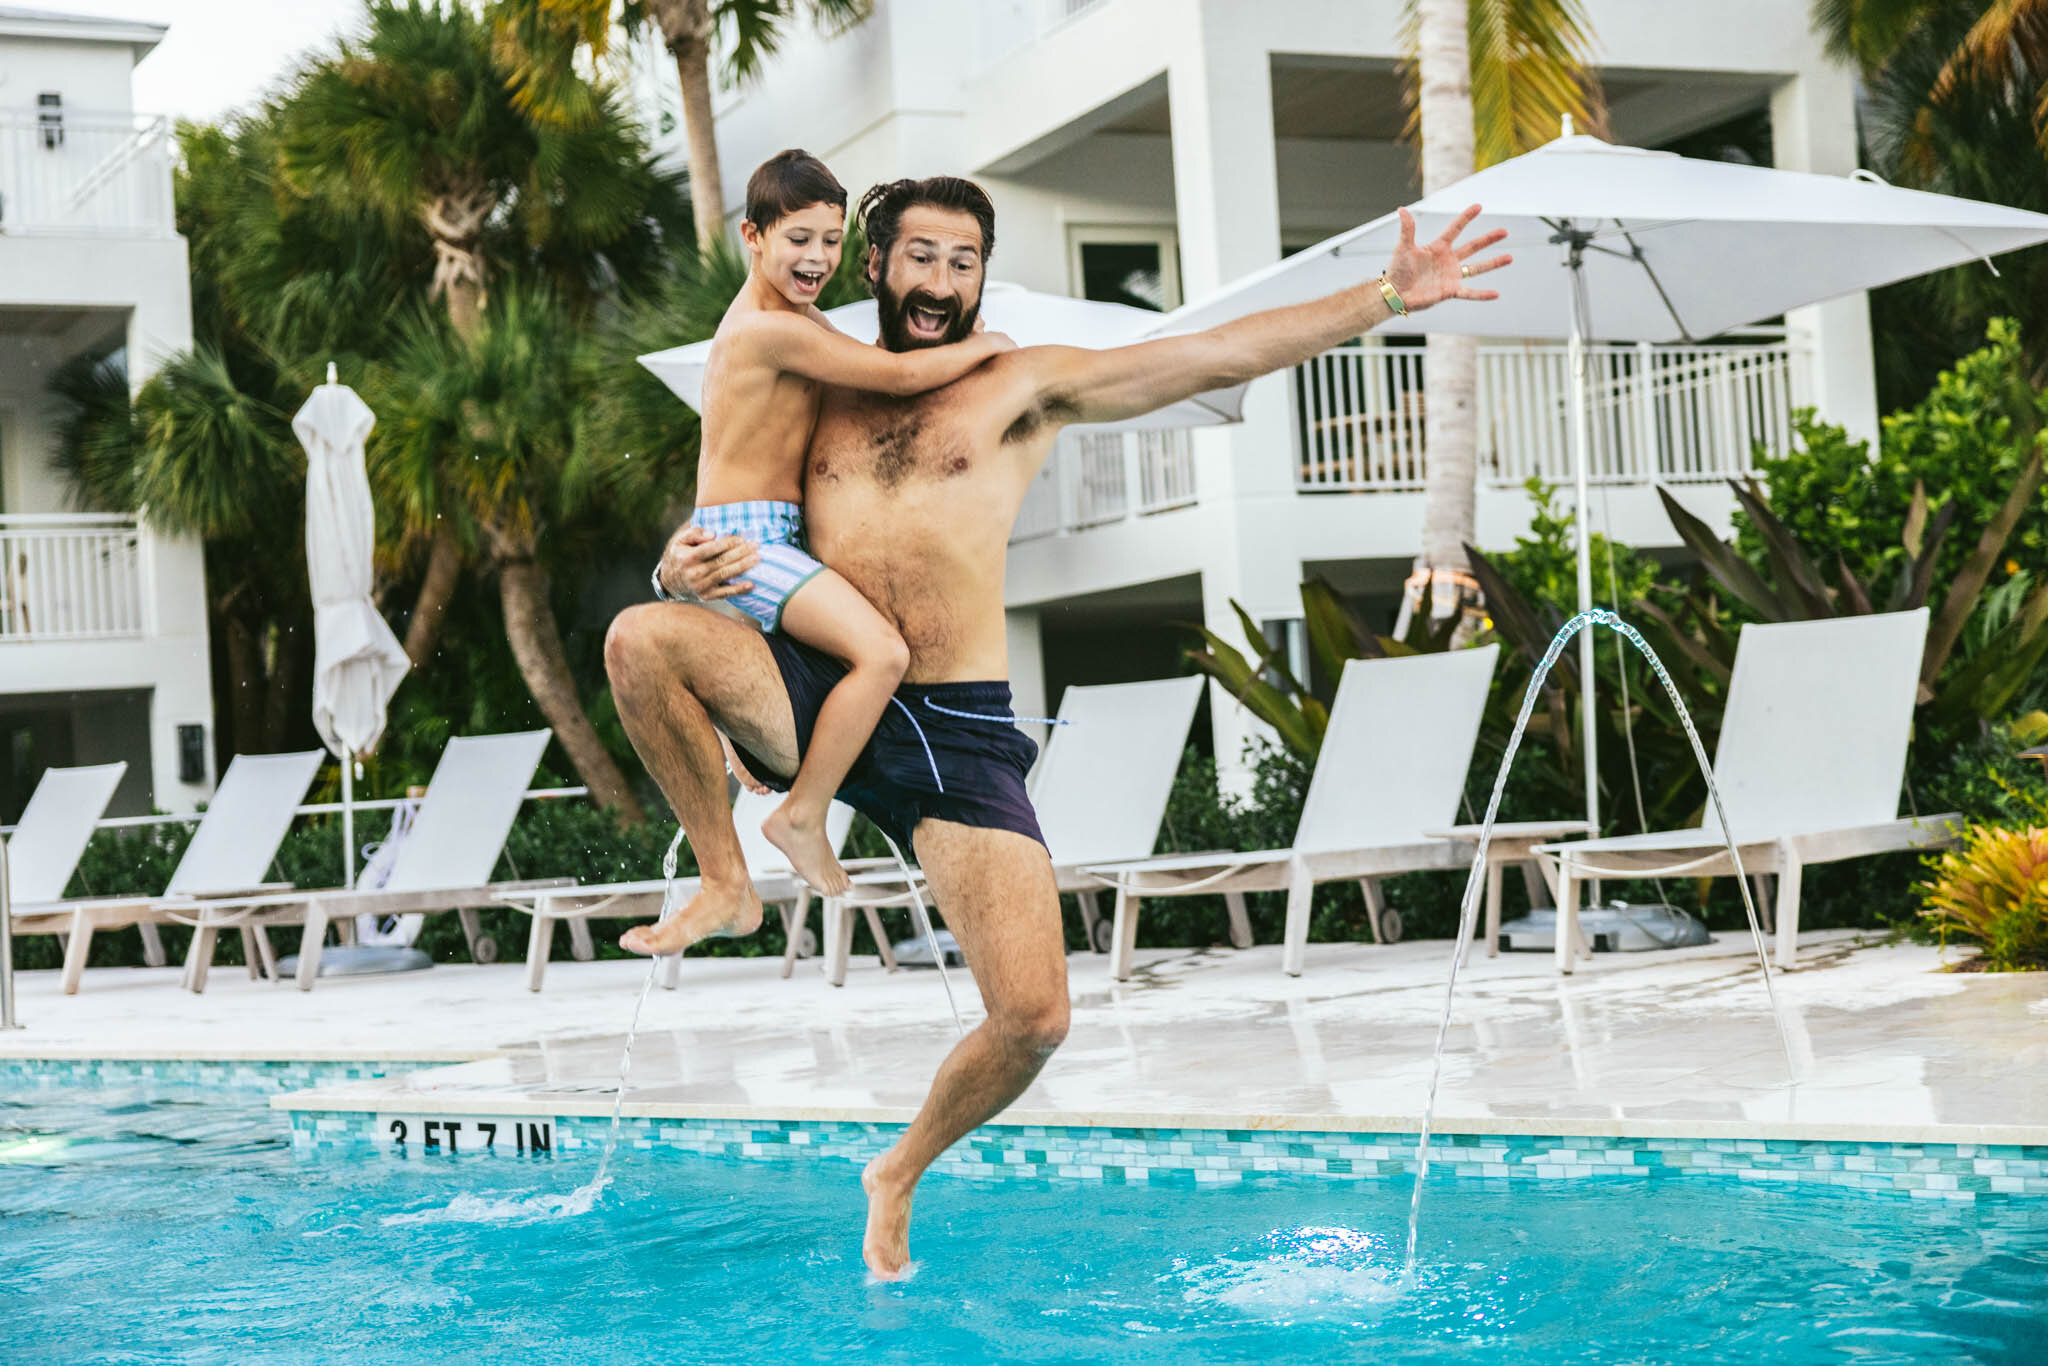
(893, 313)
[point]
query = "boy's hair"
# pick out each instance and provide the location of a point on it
(787, 182)
(881, 208)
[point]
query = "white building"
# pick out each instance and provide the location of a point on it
(103, 643)
(1161, 148)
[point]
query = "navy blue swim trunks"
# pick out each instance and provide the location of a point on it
(943, 750)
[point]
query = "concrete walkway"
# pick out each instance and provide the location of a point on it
(1887, 1045)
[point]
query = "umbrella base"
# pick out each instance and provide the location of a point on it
(1620, 928)
(361, 960)
(916, 951)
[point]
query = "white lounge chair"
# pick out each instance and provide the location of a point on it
(229, 854)
(1810, 761)
(44, 850)
(776, 885)
(1392, 767)
(444, 863)
(1100, 792)
(55, 827)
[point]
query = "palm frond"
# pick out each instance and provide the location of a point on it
(1531, 64)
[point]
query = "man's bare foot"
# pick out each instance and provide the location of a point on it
(714, 913)
(808, 850)
(886, 1248)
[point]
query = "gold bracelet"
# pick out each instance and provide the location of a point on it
(1393, 299)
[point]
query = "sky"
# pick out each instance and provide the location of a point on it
(219, 54)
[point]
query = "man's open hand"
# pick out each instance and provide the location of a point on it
(705, 567)
(1443, 268)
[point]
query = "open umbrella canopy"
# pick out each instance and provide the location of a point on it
(1029, 318)
(1674, 248)
(357, 661)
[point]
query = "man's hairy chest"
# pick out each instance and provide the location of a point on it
(891, 444)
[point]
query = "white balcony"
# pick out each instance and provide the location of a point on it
(72, 174)
(1095, 478)
(1656, 414)
(69, 577)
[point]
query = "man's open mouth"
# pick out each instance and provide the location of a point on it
(809, 279)
(927, 322)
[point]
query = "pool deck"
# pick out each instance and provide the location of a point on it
(1667, 1044)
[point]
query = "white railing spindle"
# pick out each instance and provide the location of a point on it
(1675, 414)
(69, 578)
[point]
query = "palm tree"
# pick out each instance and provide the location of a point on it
(416, 122)
(1956, 102)
(482, 422)
(279, 285)
(206, 450)
(1491, 79)
(537, 34)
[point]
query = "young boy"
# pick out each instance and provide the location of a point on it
(770, 358)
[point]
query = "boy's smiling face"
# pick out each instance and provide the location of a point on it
(799, 252)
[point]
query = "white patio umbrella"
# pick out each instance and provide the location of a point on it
(357, 662)
(1625, 244)
(1029, 318)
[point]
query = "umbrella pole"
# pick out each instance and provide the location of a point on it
(1580, 458)
(348, 815)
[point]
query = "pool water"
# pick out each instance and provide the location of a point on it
(177, 1224)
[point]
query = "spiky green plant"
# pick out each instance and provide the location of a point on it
(1993, 891)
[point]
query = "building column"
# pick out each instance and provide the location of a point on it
(173, 570)
(1027, 669)
(1227, 207)
(1813, 129)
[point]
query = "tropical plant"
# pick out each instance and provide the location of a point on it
(1993, 891)
(415, 122)
(1488, 79)
(537, 36)
(1968, 439)
(280, 285)
(1955, 100)
(482, 425)
(1977, 438)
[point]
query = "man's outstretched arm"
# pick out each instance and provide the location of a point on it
(1077, 385)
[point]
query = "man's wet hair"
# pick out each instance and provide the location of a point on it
(881, 208)
(787, 183)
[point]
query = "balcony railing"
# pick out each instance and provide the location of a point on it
(1670, 414)
(85, 174)
(66, 577)
(1094, 478)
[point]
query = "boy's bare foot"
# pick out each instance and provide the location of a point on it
(714, 913)
(808, 850)
(886, 1248)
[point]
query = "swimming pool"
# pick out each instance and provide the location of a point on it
(144, 1221)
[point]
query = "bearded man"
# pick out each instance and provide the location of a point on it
(911, 500)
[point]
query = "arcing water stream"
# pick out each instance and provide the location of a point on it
(1468, 909)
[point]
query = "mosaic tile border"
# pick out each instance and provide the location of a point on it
(266, 1077)
(1197, 1157)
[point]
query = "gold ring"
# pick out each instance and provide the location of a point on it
(1464, 272)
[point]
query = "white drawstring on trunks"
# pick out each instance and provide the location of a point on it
(968, 715)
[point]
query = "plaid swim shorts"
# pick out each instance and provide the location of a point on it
(778, 529)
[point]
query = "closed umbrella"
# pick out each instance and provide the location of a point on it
(1028, 318)
(1626, 244)
(357, 662)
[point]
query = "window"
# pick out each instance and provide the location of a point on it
(50, 118)
(1136, 266)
